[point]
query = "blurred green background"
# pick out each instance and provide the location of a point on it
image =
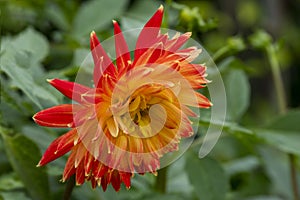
(257, 156)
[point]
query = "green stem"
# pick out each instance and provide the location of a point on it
(220, 53)
(282, 106)
(69, 188)
(161, 180)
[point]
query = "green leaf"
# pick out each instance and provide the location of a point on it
(289, 122)
(207, 177)
(13, 196)
(23, 155)
(23, 79)
(96, 15)
(129, 23)
(286, 141)
(33, 43)
(142, 10)
(230, 127)
(164, 197)
(20, 60)
(178, 181)
(238, 93)
(276, 166)
(57, 17)
(240, 165)
(10, 182)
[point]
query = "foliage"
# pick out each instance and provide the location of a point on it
(252, 160)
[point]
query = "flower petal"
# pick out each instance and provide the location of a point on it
(103, 64)
(176, 42)
(116, 180)
(125, 177)
(69, 89)
(149, 33)
(80, 175)
(70, 168)
(150, 55)
(59, 147)
(122, 52)
(203, 101)
(57, 116)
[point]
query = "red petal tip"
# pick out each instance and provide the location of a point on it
(161, 7)
(189, 34)
(49, 80)
(92, 33)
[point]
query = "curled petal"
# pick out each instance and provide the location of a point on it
(69, 89)
(57, 116)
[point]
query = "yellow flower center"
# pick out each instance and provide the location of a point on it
(151, 120)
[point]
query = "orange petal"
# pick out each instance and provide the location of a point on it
(203, 101)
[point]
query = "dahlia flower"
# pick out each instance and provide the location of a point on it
(136, 112)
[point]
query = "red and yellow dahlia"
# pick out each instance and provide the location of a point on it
(137, 111)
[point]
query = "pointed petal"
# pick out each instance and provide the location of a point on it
(174, 44)
(69, 89)
(94, 182)
(156, 19)
(59, 147)
(80, 174)
(100, 170)
(150, 55)
(125, 177)
(186, 129)
(57, 116)
(103, 64)
(105, 180)
(70, 168)
(93, 96)
(88, 163)
(149, 33)
(116, 180)
(122, 52)
(203, 101)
